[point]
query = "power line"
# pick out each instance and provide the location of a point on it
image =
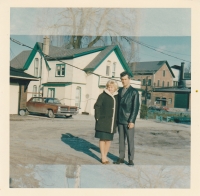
(19, 43)
(167, 50)
(145, 45)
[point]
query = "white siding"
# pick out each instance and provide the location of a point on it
(101, 69)
(83, 61)
(42, 72)
(177, 74)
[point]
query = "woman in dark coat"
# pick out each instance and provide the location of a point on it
(106, 118)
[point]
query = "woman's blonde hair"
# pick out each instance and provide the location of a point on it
(112, 82)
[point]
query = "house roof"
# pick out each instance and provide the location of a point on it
(19, 61)
(102, 56)
(16, 73)
(176, 67)
(148, 67)
(183, 90)
(62, 53)
(58, 53)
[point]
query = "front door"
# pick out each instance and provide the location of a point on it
(51, 92)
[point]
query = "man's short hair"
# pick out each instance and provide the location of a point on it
(124, 74)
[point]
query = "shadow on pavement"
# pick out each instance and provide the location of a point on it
(84, 146)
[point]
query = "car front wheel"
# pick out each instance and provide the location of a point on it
(51, 114)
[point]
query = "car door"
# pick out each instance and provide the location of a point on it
(39, 105)
(30, 105)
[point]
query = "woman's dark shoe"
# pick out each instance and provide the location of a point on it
(119, 161)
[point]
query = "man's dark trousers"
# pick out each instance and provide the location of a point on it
(125, 132)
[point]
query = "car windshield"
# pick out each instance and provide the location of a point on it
(52, 100)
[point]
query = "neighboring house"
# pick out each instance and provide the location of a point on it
(78, 79)
(152, 74)
(182, 78)
(163, 86)
(179, 96)
(19, 82)
(173, 98)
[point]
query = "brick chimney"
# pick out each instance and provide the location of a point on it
(46, 42)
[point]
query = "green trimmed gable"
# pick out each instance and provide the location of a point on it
(32, 55)
(116, 49)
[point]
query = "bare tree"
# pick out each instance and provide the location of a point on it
(87, 27)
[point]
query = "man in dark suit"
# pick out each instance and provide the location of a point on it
(127, 112)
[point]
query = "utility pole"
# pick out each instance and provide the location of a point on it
(146, 92)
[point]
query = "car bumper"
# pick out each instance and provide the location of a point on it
(67, 113)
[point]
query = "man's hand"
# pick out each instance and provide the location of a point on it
(131, 125)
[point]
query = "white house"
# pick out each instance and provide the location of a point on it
(74, 76)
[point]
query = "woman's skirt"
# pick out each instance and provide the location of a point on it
(104, 135)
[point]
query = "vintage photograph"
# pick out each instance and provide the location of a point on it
(100, 98)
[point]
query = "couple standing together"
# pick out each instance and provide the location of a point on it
(117, 108)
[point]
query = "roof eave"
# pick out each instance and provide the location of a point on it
(25, 78)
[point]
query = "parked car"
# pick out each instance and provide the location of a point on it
(49, 106)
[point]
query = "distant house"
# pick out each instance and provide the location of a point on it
(180, 93)
(19, 82)
(152, 74)
(75, 76)
(163, 86)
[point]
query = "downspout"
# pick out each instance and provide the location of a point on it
(41, 73)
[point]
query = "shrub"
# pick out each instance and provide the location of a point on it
(143, 111)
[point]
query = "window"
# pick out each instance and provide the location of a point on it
(163, 84)
(148, 95)
(143, 82)
(168, 84)
(34, 91)
(175, 83)
(143, 93)
(170, 101)
(36, 66)
(157, 100)
(158, 83)
(154, 84)
(149, 82)
(107, 70)
(78, 97)
(51, 92)
(164, 73)
(60, 70)
(163, 101)
(113, 69)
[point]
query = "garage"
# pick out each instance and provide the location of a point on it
(19, 82)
